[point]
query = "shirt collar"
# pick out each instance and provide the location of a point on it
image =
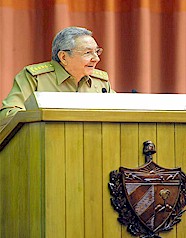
(62, 74)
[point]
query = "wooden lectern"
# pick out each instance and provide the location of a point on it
(55, 162)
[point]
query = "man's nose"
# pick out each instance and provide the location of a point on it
(95, 57)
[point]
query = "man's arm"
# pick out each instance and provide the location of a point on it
(24, 85)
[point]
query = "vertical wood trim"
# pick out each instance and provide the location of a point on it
(129, 153)
(166, 155)
(55, 176)
(6, 192)
(22, 181)
(93, 180)
(129, 145)
(74, 180)
(180, 155)
(180, 146)
(37, 189)
(15, 187)
(166, 145)
(111, 161)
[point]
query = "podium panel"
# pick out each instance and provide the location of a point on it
(55, 165)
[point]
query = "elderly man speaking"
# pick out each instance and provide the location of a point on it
(75, 54)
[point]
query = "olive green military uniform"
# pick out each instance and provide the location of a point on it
(49, 77)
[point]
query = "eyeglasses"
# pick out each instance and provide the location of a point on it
(88, 53)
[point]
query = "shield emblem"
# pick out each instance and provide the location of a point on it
(149, 199)
(152, 192)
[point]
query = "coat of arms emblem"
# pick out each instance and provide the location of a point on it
(149, 199)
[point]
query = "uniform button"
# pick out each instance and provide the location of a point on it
(95, 86)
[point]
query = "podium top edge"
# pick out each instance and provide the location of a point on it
(112, 101)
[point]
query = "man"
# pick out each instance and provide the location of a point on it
(75, 55)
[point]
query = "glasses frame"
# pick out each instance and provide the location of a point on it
(89, 53)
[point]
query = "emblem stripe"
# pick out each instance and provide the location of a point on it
(138, 194)
(131, 187)
(148, 217)
(145, 201)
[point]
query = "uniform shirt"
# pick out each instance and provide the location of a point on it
(49, 77)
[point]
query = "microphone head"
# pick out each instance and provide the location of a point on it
(134, 90)
(104, 90)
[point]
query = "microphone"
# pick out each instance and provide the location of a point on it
(134, 90)
(104, 90)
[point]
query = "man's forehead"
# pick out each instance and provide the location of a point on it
(87, 42)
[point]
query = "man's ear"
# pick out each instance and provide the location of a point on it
(62, 57)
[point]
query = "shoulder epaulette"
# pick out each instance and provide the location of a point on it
(97, 73)
(41, 68)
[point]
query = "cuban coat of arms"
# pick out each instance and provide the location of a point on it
(149, 199)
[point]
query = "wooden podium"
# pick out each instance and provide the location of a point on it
(55, 165)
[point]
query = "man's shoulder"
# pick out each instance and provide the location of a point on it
(97, 73)
(36, 69)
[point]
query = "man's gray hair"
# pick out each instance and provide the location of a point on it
(65, 40)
